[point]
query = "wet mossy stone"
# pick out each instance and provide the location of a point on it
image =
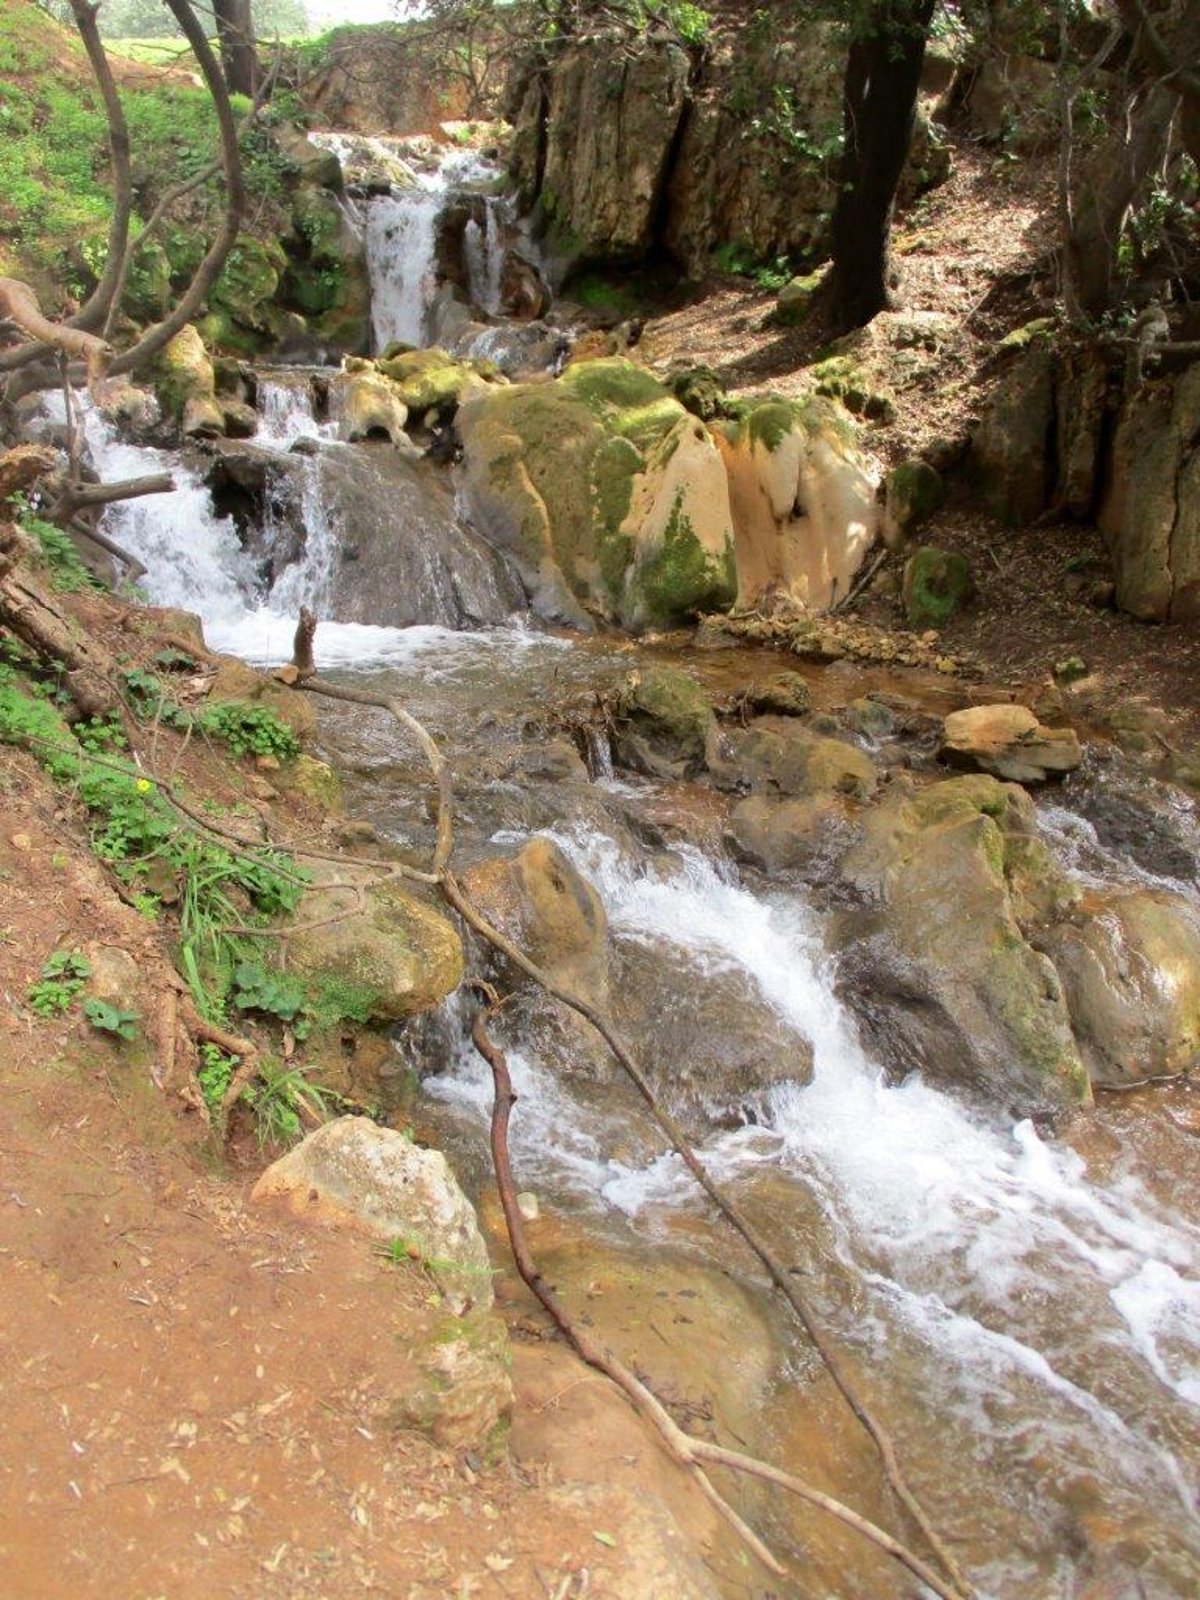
(700, 391)
(248, 284)
(680, 578)
(430, 380)
(663, 722)
(937, 583)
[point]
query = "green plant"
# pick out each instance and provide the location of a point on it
(215, 1074)
(63, 976)
(250, 730)
(279, 1096)
(275, 994)
(68, 574)
(106, 1018)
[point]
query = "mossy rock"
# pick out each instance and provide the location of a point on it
(315, 780)
(185, 384)
(680, 577)
(840, 378)
(914, 491)
(248, 283)
(627, 399)
(664, 720)
(428, 380)
(701, 392)
(398, 953)
(795, 299)
(937, 583)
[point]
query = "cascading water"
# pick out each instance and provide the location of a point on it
(1029, 1319)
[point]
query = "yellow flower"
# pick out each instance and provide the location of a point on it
(143, 786)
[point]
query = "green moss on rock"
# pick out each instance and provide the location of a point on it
(937, 583)
(681, 577)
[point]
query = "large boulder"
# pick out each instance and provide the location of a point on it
(939, 958)
(1009, 741)
(802, 498)
(353, 1173)
(1129, 961)
(370, 408)
(550, 912)
(393, 953)
(608, 495)
(777, 755)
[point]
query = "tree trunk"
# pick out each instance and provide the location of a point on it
(1108, 184)
(239, 59)
(879, 98)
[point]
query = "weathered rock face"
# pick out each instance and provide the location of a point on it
(1062, 431)
(940, 963)
(610, 118)
(186, 386)
(1129, 962)
(397, 955)
(374, 81)
(631, 146)
(614, 499)
(1151, 512)
(371, 409)
(1008, 740)
(398, 555)
(802, 500)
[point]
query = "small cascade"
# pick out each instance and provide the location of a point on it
(483, 248)
(288, 402)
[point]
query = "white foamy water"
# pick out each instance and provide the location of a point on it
(1035, 1298)
(287, 410)
(195, 561)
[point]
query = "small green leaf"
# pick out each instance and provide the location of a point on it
(604, 1538)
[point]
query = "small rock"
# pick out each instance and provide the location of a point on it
(21, 841)
(937, 583)
(527, 1205)
(1008, 740)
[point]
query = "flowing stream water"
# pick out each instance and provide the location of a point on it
(1023, 1308)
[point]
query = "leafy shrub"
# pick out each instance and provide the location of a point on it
(250, 730)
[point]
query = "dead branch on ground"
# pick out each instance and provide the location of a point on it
(688, 1451)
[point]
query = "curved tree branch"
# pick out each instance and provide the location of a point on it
(156, 338)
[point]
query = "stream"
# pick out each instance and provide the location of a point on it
(1022, 1306)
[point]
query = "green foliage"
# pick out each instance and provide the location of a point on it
(214, 1076)
(135, 830)
(250, 730)
(740, 260)
(106, 1018)
(279, 1097)
(273, 994)
(63, 976)
(68, 574)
